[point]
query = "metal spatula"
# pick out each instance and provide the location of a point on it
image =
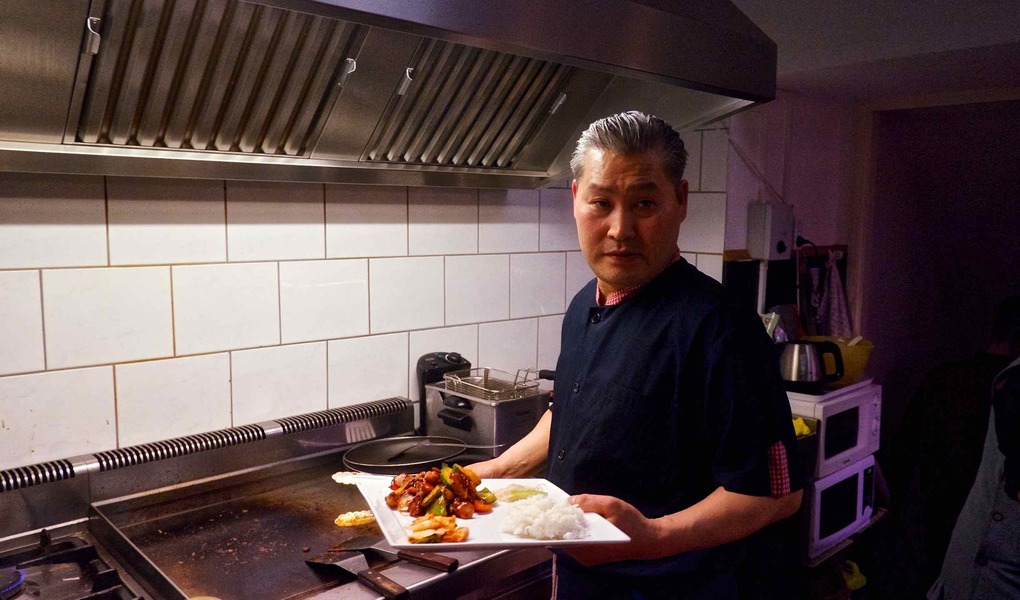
(356, 564)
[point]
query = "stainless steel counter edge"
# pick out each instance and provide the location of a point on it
(48, 494)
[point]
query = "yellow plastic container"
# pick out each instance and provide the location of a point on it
(855, 358)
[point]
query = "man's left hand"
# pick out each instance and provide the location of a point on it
(644, 533)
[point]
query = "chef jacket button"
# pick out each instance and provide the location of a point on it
(596, 317)
(997, 516)
(561, 454)
(577, 386)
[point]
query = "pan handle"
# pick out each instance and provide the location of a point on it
(384, 585)
(547, 374)
(430, 559)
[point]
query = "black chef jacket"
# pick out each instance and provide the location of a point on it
(663, 398)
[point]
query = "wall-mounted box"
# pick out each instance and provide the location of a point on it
(769, 231)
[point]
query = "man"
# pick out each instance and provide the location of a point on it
(669, 415)
(983, 558)
(940, 447)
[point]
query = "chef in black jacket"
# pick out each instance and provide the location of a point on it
(669, 414)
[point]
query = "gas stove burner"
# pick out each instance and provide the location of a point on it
(69, 568)
(11, 581)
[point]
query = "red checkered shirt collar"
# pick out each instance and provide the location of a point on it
(621, 295)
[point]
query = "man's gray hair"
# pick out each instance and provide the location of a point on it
(632, 132)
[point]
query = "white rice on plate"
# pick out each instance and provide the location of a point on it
(543, 518)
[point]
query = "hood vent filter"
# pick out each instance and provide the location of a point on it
(219, 75)
(466, 107)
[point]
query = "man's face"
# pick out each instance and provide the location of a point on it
(628, 216)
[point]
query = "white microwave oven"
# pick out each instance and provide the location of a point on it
(839, 505)
(849, 425)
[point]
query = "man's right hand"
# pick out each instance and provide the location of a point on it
(487, 469)
(523, 459)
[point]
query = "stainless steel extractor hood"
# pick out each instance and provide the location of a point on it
(437, 92)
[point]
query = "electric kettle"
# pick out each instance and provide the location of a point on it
(803, 366)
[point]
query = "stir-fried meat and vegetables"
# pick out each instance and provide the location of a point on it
(449, 491)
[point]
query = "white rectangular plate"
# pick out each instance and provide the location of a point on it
(485, 530)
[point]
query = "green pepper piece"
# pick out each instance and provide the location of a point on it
(431, 496)
(487, 496)
(444, 475)
(438, 506)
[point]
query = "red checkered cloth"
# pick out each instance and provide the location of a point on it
(779, 472)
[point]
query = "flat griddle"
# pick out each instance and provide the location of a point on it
(245, 540)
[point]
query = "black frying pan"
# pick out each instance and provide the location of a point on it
(411, 454)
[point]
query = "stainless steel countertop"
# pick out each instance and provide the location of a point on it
(118, 500)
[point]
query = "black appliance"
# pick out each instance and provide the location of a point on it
(431, 368)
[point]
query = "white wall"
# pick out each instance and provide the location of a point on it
(799, 152)
(135, 310)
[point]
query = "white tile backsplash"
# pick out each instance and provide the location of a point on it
(268, 383)
(21, 338)
(275, 221)
(226, 307)
(704, 228)
(537, 284)
(342, 286)
(508, 221)
(166, 221)
(508, 345)
(442, 221)
(163, 399)
(477, 288)
(56, 415)
(549, 341)
(367, 368)
(692, 173)
(578, 274)
(52, 221)
(711, 265)
(100, 316)
(557, 230)
(406, 293)
(322, 299)
(366, 220)
(714, 148)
